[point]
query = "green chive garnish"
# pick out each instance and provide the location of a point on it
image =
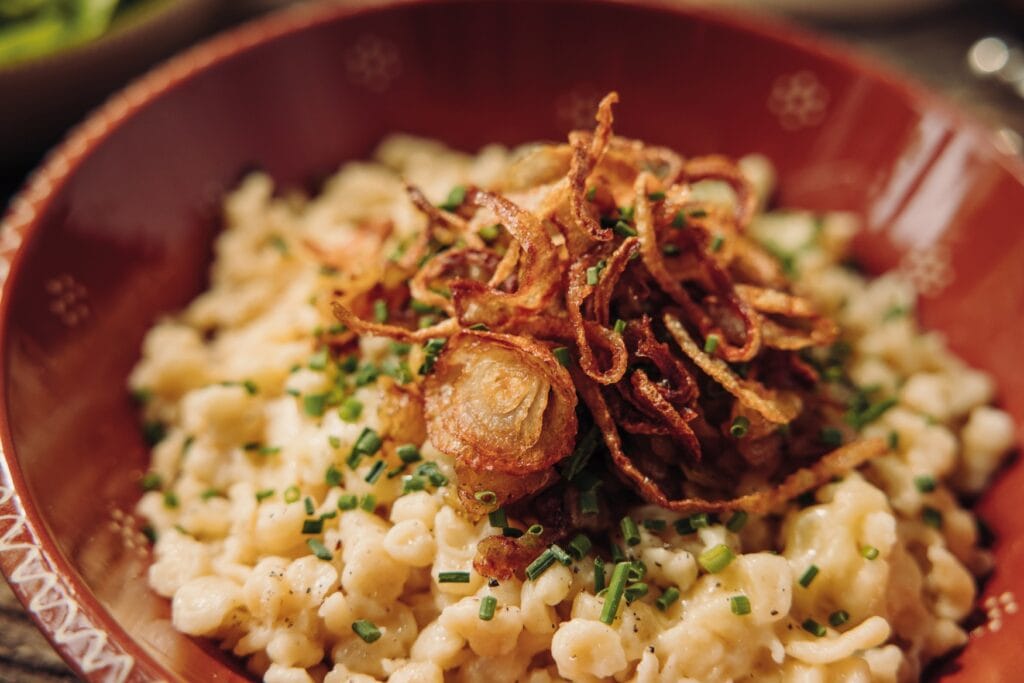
(350, 410)
(655, 196)
(620, 326)
(292, 494)
(489, 233)
(211, 493)
(560, 555)
(535, 529)
(153, 432)
(925, 483)
(737, 521)
(624, 229)
(487, 607)
(689, 525)
(374, 474)
(838, 618)
(667, 599)
(715, 559)
(367, 630)
(498, 519)
(629, 531)
(931, 517)
(591, 193)
(561, 354)
(263, 494)
(318, 361)
(670, 250)
(314, 404)
(151, 481)
(540, 565)
(268, 450)
(894, 441)
(319, 549)
(739, 604)
(814, 628)
(453, 577)
(579, 546)
(809, 575)
(486, 497)
(412, 483)
(616, 588)
(716, 243)
(869, 551)
(635, 591)
(171, 499)
(455, 198)
(593, 275)
(408, 453)
(312, 526)
(655, 524)
(368, 503)
(831, 437)
(347, 501)
(598, 575)
(310, 507)
(380, 311)
(711, 343)
(739, 427)
(679, 221)
(588, 502)
(333, 476)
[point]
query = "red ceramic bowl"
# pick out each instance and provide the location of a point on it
(116, 227)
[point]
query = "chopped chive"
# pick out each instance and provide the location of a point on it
(679, 221)
(535, 529)
(150, 533)
(739, 605)
(624, 229)
(809, 575)
(670, 250)
(408, 453)
(814, 628)
(593, 275)
(348, 364)
(838, 618)
(598, 575)
(637, 570)
(380, 311)
(330, 514)
(426, 321)
(581, 455)
(489, 233)
(453, 577)
(292, 392)
(251, 446)
(250, 387)
(739, 427)
(591, 193)
(630, 533)
(431, 350)
(141, 396)
(616, 588)
(319, 549)
(689, 525)
(268, 450)
(716, 243)
(894, 441)
(858, 419)
(561, 354)
(413, 483)
(153, 432)
(925, 483)
(486, 497)
(455, 198)
(698, 213)
(211, 493)
(432, 473)
(667, 599)
(333, 476)
(627, 212)
(277, 242)
(400, 348)
(711, 343)
(318, 361)
(560, 555)
(374, 474)
(655, 196)
(479, 327)
(617, 554)
(655, 524)
(588, 502)
(171, 499)
(367, 630)
(869, 551)
(312, 526)
(263, 494)
(347, 501)
(368, 443)
(831, 437)
(487, 606)
(151, 481)
(397, 471)
(579, 546)
(368, 503)
(308, 504)
(620, 326)
(635, 591)
(314, 404)
(292, 494)
(540, 565)
(737, 521)
(931, 517)
(715, 559)
(512, 532)
(497, 518)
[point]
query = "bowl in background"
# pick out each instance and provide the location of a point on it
(116, 227)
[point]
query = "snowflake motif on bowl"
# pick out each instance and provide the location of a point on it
(373, 63)
(798, 100)
(929, 268)
(997, 608)
(577, 108)
(69, 300)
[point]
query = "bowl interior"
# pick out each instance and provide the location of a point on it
(124, 234)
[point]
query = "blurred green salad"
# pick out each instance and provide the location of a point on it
(32, 28)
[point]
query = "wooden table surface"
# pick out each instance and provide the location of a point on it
(931, 47)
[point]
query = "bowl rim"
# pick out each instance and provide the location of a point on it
(53, 593)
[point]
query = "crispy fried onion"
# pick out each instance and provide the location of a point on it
(680, 334)
(501, 404)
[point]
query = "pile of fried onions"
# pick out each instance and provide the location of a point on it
(593, 272)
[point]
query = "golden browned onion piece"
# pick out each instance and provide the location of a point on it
(500, 404)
